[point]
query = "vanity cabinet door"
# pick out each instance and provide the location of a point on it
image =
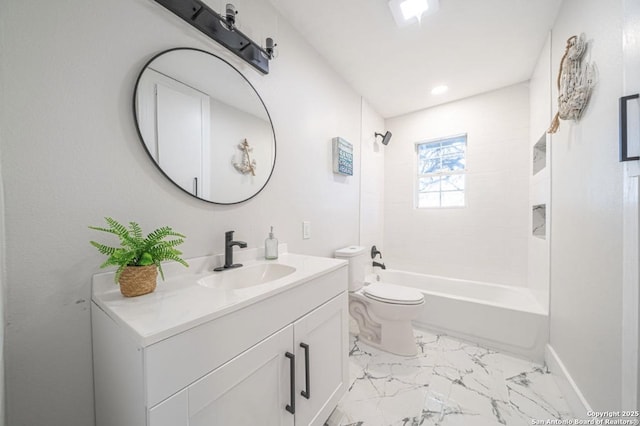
(321, 348)
(251, 389)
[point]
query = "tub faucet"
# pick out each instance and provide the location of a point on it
(375, 252)
(379, 264)
(228, 252)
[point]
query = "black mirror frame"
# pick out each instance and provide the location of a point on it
(135, 116)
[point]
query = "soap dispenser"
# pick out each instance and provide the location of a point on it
(271, 247)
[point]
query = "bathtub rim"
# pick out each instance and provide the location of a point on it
(535, 308)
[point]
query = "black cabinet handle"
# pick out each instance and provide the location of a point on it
(292, 368)
(307, 392)
(195, 186)
(623, 128)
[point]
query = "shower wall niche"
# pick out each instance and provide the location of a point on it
(540, 154)
(538, 221)
(538, 209)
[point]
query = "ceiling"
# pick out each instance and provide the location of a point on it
(472, 46)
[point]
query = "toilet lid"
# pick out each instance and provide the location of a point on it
(396, 294)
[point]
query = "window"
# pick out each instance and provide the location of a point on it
(441, 172)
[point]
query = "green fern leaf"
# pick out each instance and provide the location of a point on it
(159, 265)
(117, 227)
(98, 228)
(102, 248)
(136, 231)
(135, 249)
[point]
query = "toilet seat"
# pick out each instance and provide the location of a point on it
(393, 294)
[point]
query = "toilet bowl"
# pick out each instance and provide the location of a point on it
(383, 311)
(385, 322)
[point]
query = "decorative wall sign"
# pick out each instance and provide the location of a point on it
(342, 157)
(575, 81)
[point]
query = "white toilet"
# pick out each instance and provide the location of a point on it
(383, 311)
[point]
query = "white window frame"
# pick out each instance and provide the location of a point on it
(418, 176)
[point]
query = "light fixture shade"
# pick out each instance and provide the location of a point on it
(411, 8)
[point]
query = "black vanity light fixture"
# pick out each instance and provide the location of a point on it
(385, 138)
(223, 30)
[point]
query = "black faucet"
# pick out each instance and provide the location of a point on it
(379, 264)
(228, 252)
(375, 252)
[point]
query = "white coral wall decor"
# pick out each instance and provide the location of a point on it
(576, 79)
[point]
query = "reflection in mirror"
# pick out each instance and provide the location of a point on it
(205, 126)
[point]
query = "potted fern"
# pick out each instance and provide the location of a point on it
(138, 258)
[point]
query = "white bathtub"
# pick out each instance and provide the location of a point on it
(497, 316)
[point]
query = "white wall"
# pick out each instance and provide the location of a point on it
(233, 126)
(70, 155)
(2, 245)
(540, 183)
(586, 242)
(486, 240)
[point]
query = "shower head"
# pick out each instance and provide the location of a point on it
(385, 138)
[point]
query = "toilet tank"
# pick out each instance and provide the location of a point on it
(356, 256)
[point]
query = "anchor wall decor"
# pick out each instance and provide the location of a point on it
(247, 165)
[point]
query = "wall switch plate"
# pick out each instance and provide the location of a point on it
(306, 230)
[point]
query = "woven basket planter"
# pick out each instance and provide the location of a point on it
(138, 280)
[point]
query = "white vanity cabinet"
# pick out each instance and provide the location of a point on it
(252, 387)
(321, 366)
(256, 387)
(279, 361)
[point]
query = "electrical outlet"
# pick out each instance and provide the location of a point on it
(306, 230)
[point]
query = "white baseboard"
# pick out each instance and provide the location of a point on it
(572, 394)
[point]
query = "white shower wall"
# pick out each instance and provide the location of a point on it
(487, 239)
(371, 179)
(540, 183)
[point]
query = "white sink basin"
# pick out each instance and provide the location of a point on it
(246, 276)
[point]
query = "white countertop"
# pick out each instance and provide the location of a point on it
(180, 303)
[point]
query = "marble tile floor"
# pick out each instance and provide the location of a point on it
(449, 383)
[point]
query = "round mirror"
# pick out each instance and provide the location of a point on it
(204, 125)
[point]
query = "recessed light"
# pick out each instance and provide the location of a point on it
(406, 12)
(413, 8)
(439, 90)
